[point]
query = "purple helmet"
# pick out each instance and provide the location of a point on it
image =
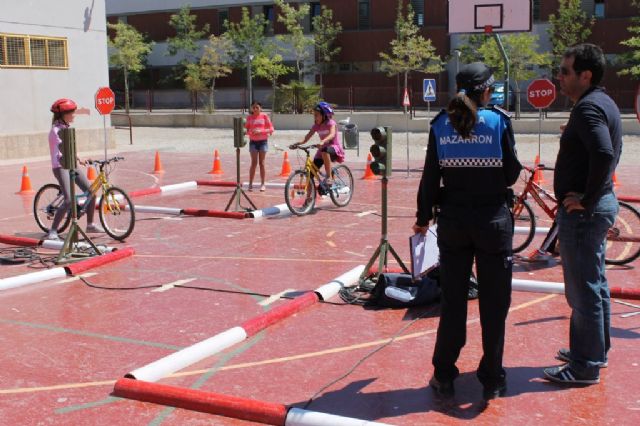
(324, 109)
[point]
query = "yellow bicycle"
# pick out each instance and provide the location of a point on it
(115, 208)
(300, 189)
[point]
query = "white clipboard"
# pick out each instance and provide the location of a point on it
(425, 254)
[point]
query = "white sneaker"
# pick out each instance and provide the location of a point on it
(52, 235)
(94, 229)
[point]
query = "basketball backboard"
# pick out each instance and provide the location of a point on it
(498, 16)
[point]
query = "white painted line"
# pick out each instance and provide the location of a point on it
(77, 278)
(331, 243)
(269, 300)
(354, 253)
(330, 234)
(169, 286)
(363, 214)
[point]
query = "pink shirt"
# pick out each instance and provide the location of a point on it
(258, 127)
(55, 144)
(323, 131)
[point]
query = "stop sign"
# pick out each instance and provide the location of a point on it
(541, 93)
(105, 100)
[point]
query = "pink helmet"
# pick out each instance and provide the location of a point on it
(63, 105)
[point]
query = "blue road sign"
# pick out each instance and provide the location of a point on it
(429, 90)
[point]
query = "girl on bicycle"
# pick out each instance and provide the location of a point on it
(329, 148)
(63, 114)
(259, 128)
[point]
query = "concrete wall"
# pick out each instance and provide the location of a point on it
(32, 91)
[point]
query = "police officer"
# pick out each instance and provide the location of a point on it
(471, 163)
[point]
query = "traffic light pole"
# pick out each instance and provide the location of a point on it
(384, 248)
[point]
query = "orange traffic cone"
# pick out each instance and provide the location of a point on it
(537, 176)
(286, 166)
(615, 180)
(157, 168)
(217, 166)
(91, 173)
(25, 187)
(368, 174)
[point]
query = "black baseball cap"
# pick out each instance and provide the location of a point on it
(475, 77)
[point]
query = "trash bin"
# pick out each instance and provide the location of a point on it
(350, 136)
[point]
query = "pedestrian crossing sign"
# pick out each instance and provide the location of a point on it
(429, 89)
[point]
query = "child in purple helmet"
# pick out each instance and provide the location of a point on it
(329, 148)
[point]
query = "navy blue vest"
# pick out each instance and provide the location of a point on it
(482, 148)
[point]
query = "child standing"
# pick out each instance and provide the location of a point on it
(259, 128)
(329, 148)
(63, 114)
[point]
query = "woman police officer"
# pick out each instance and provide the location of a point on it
(471, 151)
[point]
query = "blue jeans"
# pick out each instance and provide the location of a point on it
(582, 246)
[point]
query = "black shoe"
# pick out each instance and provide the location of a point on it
(493, 392)
(444, 389)
(565, 375)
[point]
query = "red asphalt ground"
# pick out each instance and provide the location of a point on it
(65, 344)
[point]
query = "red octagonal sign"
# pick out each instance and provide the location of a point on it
(541, 93)
(105, 100)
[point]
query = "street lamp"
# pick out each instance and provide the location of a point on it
(249, 81)
(457, 52)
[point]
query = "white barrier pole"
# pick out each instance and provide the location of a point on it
(179, 186)
(537, 286)
(32, 278)
(300, 417)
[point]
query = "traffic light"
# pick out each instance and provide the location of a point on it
(381, 151)
(238, 132)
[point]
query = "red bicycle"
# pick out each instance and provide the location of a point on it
(623, 238)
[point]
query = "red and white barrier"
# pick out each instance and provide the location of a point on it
(215, 213)
(628, 199)
(153, 209)
(19, 241)
(222, 183)
(229, 406)
(163, 189)
(57, 245)
(280, 209)
(32, 278)
(209, 347)
(525, 230)
(556, 287)
(47, 244)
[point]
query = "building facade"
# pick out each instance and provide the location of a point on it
(368, 28)
(50, 50)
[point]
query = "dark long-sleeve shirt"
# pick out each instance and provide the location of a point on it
(590, 148)
(472, 181)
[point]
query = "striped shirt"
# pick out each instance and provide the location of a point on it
(258, 127)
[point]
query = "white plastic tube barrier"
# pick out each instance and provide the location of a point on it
(32, 278)
(267, 184)
(57, 245)
(179, 186)
(525, 230)
(153, 209)
(537, 286)
(300, 417)
(271, 211)
(347, 279)
(189, 355)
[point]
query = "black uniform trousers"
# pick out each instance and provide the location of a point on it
(481, 230)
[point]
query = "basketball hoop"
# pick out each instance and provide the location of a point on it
(488, 29)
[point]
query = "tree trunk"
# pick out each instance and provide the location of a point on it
(126, 90)
(211, 91)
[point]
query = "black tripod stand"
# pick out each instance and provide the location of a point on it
(239, 191)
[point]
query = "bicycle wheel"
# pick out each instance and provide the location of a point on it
(342, 189)
(300, 193)
(117, 214)
(623, 242)
(524, 225)
(45, 204)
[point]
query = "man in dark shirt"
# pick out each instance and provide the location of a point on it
(590, 148)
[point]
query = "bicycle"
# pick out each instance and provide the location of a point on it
(623, 242)
(300, 189)
(115, 208)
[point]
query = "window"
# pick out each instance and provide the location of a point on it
(315, 10)
(32, 51)
(269, 16)
(418, 9)
(223, 15)
(536, 10)
(363, 15)
(598, 9)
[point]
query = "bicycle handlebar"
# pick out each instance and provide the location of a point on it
(538, 167)
(103, 162)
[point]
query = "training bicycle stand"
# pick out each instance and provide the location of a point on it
(239, 191)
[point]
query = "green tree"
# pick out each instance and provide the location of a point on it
(129, 51)
(270, 67)
(293, 20)
(522, 51)
(325, 32)
(247, 38)
(213, 64)
(632, 57)
(570, 26)
(409, 50)
(186, 39)
(469, 48)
